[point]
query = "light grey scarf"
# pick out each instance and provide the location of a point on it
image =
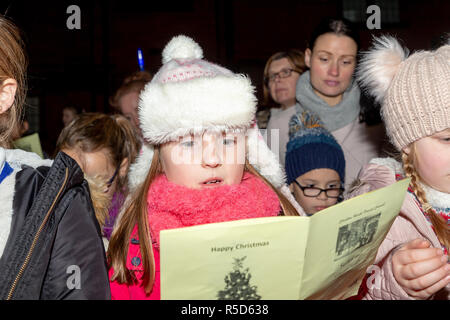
(333, 117)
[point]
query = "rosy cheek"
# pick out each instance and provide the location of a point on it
(332, 201)
(426, 170)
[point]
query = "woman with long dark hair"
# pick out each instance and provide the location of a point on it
(329, 90)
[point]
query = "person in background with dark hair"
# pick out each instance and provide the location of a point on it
(104, 146)
(48, 230)
(126, 98)
(330, 91)
(281, 73)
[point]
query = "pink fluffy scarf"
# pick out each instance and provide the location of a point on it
(173, 206)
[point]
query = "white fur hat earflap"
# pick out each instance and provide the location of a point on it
(414, 91)
(189, 95)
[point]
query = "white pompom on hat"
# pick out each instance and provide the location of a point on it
(414, 91)
(181, 47)
(189, 95)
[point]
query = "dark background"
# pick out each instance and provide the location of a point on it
(84, 67)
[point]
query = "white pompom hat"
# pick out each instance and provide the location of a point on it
(189, 95)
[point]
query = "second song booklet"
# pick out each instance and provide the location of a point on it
(324, 256)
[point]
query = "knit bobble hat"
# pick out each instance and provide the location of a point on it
(189, 95)
(311, 147)
(414, 91)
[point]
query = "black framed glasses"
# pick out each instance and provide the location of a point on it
(284, 73)
(315, 192)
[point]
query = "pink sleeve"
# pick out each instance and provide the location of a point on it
(371, 177)
(385, 287)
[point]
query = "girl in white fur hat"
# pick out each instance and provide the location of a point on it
(415, 96)
(204, 161)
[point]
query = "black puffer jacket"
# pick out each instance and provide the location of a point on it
(54, 249)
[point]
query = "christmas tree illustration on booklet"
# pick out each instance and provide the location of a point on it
(238, 284)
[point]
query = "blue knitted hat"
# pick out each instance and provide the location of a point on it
(311, 147)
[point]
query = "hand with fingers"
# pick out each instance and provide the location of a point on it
(420, 269)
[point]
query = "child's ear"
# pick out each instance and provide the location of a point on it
(123, 168)
(7, 94)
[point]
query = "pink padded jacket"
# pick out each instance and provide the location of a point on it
(409, 225)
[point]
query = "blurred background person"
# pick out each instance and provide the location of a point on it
(104, 146)
(25, 138)
(281, 73)
(21, 129)
(68, 114)
(126, 98)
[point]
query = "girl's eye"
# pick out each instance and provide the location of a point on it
(323, 59)
(442, 137)
(333, 186)
(346, 62)
(310, 185)
(229, 141)
(189, 143)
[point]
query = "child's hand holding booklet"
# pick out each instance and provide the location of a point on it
(324, 256)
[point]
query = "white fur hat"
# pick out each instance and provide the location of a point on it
(189, 95)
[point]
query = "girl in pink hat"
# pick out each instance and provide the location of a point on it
(412, 262)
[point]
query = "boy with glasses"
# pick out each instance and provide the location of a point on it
(315, 164)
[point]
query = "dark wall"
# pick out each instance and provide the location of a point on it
(84, 67)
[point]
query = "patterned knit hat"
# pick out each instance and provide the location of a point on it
(311, 147)
(414, 91)
(190, 95)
